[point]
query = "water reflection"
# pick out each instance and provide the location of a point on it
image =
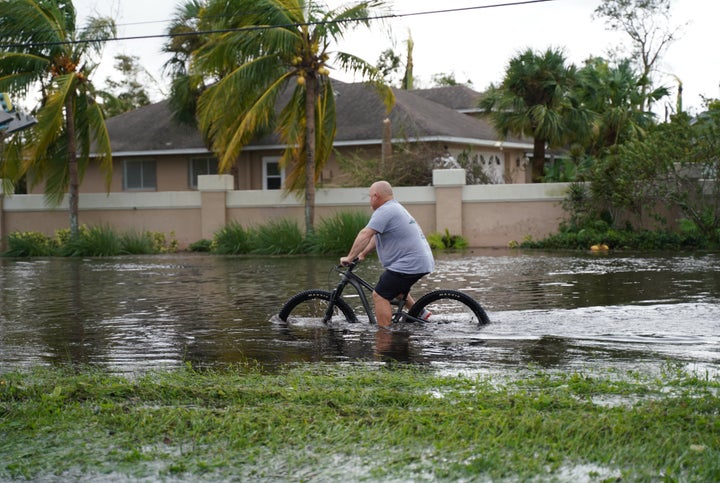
(560, 310)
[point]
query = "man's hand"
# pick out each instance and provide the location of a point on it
(345, 261)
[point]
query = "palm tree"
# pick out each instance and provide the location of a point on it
(534, 99)
(272, 54)
(619, 96)
(44, 50)
(183, 39)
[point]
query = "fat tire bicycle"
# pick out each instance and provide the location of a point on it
(323, 305)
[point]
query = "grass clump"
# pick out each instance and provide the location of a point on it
(277, 237)
(29, 244)
(372, 423)
(446, 241)
(94, 241)
(97, 241)
(336, 233)
(232, 239)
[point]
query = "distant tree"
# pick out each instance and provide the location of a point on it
(535, 99)
(675, 166)
(408, 81)
(388, 65)
(129, 92)
(447, 79)
(184, 39)
(46, 53)
(647, 23)
(618, 95)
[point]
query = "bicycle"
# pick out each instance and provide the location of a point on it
(317, 304)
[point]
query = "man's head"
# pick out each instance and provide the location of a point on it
(380, 192)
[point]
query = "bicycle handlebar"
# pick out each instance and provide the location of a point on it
(350, 266)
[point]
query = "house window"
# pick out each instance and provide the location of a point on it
(140, 175)
(273, 175)
(199, 166)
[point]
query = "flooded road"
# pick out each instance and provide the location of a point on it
(562, 310)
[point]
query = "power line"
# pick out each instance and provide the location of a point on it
(264, 27)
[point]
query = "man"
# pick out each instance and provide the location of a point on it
(403, 250)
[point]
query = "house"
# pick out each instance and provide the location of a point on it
(151, 152)
(157, 163)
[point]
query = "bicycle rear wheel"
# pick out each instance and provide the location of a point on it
(450, 306)
(312, 305)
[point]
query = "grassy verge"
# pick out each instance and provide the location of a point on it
(330, 422)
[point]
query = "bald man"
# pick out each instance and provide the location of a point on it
(401, 246)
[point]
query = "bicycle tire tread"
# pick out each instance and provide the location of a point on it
(464, 298)
(313, 294)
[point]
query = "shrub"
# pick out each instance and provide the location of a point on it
(277, 237)
(29, 244)
(137, 243)
(446, 241)
(232, 239)
(161, 243)
(336, 234)
(97, 241)
(203, 245)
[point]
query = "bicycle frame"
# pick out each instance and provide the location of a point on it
(348, 277)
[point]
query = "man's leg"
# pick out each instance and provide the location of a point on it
(409, 301)
(383, 310)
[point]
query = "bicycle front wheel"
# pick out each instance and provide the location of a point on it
(450, 306)
(312, 306)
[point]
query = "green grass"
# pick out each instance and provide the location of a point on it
(94, 241)
(358, 423)
(232, 239)
(336, 234)
(277, 237)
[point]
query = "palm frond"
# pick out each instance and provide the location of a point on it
(238, 107)
(51, 116)
(92, 132)
(19, 71)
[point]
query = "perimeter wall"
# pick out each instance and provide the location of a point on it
(486, 215)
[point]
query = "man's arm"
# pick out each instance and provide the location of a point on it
(364, 243)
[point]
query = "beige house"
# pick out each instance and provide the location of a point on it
(151, 152)
(164, 177)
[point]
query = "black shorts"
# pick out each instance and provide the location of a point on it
(392, 284)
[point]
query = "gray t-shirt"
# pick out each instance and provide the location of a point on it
(400, 242)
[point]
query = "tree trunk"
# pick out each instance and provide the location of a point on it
(74, 181)
(310, 95)
(538, 162)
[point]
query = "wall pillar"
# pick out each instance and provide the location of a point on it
(448, 185)
(213, 202)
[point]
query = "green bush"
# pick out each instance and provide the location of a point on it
(232, 239)
(277, 237)
(161, 244)
(336, 234)
(30, 244)
(446, 241)
(203, 245)
(600, 233)
(137, 243)
(97, 241)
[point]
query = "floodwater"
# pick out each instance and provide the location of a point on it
(558, 310)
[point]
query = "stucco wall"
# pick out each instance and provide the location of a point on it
(486, 215)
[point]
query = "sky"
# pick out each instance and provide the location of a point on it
(474, 44)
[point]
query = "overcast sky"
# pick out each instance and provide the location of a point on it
(474, 44)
